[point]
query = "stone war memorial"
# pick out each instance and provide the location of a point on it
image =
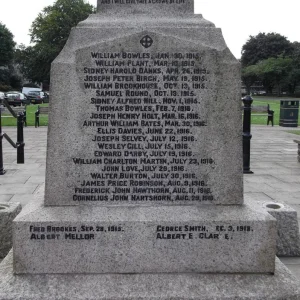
(144, 182)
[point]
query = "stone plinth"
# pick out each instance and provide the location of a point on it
(281, 285)
(8, 211)
(170, 239)
(288, 239)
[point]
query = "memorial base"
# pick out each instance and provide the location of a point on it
(143, 239)
(288, 238)
(280, 286)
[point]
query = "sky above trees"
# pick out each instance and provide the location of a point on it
(237, 19)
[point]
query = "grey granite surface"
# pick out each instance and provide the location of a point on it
(8, 211)
(288, 238)
(280, 286)
(166, 8)
(191, 68)
(168, 239)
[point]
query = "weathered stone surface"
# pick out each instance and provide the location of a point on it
(8, 211)
(160, 105)
(124, 8)
(280, 286)
(144, 129)
(288, 239)
(169, 239)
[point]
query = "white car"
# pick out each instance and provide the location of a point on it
(262, 93)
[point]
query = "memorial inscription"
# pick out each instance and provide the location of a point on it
(144, 111)
(160, 232)
(148, 115)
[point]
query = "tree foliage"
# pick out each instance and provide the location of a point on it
(274, 72)
(249, 76)
(264, 46)
(7, 45)
(49, 33)
(294, 75)
(54, 23)
(296, 51)
(8, 78)
(34, 62)
(273, 60)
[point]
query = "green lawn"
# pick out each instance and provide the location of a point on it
(30, 114)
(294, 131)
(274, 103)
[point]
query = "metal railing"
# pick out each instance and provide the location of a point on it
(19, 145)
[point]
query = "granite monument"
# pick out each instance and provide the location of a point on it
(144, 182)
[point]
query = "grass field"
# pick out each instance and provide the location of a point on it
(294, 131)
(274, 103)
(30, 114)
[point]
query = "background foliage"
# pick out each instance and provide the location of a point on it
(49, 33)
(273, 60)
(7, 45)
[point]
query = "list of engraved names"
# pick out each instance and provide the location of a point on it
(144, 110)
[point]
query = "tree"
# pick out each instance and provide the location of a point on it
(34, 63)
(49, 33)
(275, 72)
(296, 51)
(54, 24)
(264, 46)
(5, 77)
(7, 45)
(249, 76)
(31, 85)
(294, 75)
(293, 79)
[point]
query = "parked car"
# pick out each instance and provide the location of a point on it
(16, 98)
(262, 93)
(259, 93)
(36, 97)
(24, 99)
(26, 90)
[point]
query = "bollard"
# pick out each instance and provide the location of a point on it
(20, 139)
(247, 134)
(37, 118)
(2, 171)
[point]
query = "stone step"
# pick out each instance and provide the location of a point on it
(281, 285)
(168, 239)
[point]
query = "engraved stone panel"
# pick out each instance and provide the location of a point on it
(139, 239)
(156, 122)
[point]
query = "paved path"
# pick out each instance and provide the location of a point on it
(22, 180)
(273, 160)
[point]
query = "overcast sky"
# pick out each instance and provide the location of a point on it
(238, 19)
